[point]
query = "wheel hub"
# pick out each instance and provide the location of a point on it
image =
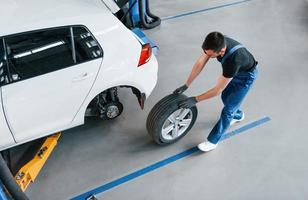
(112, 111)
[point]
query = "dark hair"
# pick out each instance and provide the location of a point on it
(214, 41)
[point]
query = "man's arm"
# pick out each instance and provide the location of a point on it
(219, 87)
(197, 68)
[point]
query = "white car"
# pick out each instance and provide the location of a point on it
(62, 60)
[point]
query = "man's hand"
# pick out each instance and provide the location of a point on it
(181, 89)
(188, 103)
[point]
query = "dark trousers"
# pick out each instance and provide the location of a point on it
(232, 97)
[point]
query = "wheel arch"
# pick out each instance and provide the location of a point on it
(137, 92)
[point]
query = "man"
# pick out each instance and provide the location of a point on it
(239, 71)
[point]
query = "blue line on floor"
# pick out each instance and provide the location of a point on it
(203, 10)
(245, 128)
(164, 162)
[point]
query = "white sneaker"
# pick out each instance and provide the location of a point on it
(206, 146)
(235, 120)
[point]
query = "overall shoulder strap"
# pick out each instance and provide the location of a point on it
(229, 53)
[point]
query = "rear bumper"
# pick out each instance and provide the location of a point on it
(148, 75)
(147, 80)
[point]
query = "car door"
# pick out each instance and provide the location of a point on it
(6, 138)
(51, 72)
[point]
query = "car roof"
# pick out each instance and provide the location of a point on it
(18, 16)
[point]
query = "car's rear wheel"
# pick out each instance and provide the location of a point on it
(167, 123)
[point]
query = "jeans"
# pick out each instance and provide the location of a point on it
(232, 97)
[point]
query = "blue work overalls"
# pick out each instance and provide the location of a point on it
(232, 97)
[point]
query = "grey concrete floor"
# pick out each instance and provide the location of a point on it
(267, 162)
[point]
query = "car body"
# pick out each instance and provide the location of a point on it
(59, 57)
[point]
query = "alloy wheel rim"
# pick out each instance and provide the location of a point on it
(176, 124)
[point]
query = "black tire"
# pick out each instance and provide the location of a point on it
(160, 113)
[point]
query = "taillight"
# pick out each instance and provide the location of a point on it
(145, 55)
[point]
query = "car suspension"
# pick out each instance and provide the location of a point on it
(106, 105)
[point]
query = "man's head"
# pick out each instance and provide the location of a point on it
(214, 44)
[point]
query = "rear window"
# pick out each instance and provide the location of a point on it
(86, 46)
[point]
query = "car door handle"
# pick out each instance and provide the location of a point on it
(81, 77)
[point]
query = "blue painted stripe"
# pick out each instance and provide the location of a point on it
(204, 10)
(245, 128)
(136, 174)
(163, 163)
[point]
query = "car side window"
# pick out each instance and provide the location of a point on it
(3, 70)
(40, 52)
(86, 47)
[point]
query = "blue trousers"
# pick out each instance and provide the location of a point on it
(232, 97)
